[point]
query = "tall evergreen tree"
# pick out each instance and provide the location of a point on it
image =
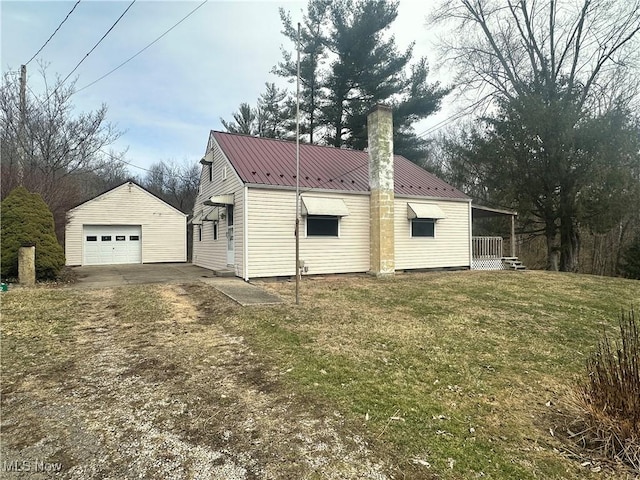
(351, 65)
(312, 56)
(348, 63)
(367, 68)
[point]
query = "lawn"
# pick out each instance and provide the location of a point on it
(450, 375)
(461, 375)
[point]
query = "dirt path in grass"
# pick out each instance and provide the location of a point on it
(168, 394)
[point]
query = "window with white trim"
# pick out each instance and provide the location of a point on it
(423, 227)
(323, 226)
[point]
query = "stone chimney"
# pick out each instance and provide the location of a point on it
(382, 245)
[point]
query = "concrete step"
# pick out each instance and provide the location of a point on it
(224, 273)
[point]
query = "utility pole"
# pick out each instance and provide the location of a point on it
(21, 126)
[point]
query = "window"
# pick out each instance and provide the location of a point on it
(211, 172)
(319, 226)
(215, 230)
(121, 238)
(134, 238)
(92, 238)
(224, 172)
(106, 238)
(423, 227)
(199, 233)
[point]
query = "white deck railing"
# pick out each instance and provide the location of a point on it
(486, 247)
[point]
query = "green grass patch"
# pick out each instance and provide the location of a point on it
(454, 369)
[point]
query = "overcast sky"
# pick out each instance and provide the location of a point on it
(168, 98)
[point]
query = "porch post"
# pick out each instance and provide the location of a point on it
(513, 235)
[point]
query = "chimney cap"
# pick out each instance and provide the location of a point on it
(380, 106)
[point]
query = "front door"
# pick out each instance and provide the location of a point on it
(230, 242)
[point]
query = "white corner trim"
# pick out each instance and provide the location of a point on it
(245, 234)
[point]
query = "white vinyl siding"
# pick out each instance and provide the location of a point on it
(449, 247)
(210, 253)
(164, 237)
(271, 248)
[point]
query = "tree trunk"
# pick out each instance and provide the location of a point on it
(569, 245)
(553, 250)
(337, 141)
(569, 234)
(623, 227)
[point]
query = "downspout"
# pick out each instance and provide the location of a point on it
(245, 236)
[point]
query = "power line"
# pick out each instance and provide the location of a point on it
(117, 159)
(54, 32)
(94, 47)
(142, 50)
(110, 155)
(452, 118)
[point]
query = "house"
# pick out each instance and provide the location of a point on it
(127, 224)
(360, 212)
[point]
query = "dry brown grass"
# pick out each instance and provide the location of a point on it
(441, 375)
(140, 382)
(608, 403)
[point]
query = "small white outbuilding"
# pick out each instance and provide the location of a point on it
(127, 224)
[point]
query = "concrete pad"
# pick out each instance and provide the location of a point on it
(242, 292)
(105, 276)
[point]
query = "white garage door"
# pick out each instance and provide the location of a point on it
(110, 244)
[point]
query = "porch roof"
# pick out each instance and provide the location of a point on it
(479, 211)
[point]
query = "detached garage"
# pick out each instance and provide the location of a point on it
(127, 224)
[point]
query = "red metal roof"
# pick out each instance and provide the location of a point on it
(267, 161)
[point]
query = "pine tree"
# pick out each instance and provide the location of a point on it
(245, 121)
(365, 68)
(274, 112)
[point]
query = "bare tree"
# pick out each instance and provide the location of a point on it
(554, 66)
(56, 143)
(514, 45)
(175, 183)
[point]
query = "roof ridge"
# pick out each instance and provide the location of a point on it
(305, 144)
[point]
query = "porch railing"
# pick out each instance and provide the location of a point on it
(486, 247)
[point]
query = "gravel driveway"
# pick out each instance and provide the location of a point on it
(143, 384)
